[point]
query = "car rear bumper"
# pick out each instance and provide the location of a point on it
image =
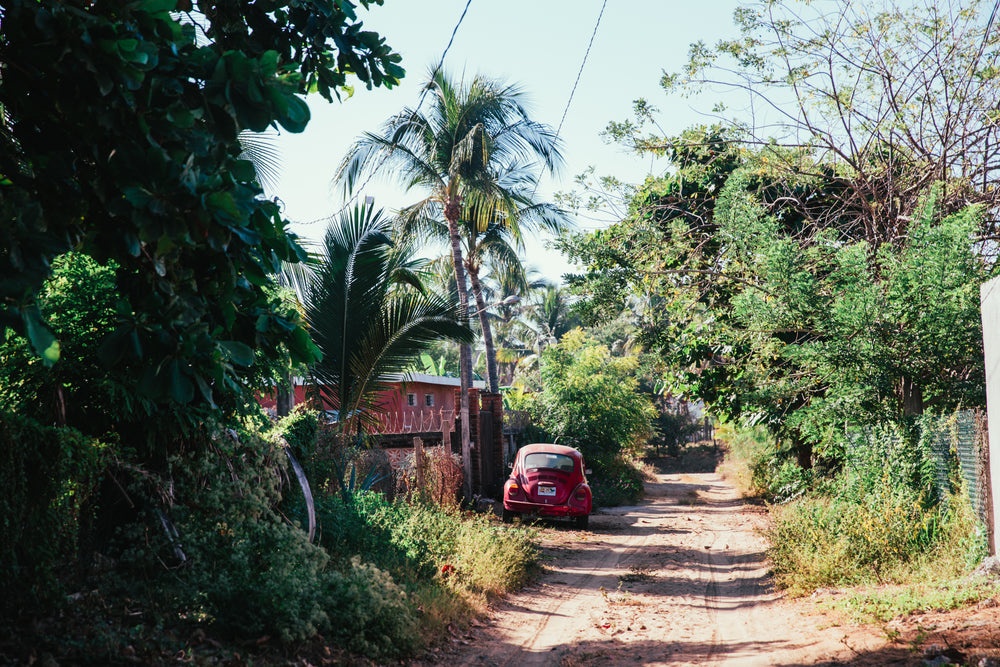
(544, 510)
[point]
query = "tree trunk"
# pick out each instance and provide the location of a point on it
(451, 212)
(286, 397)
(803, 451)
(912, 396)
(484, 321)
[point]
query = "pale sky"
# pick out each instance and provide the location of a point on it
(538, 44)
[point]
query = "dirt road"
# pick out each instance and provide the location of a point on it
(680, 579)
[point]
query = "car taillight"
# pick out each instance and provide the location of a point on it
(513, 488)
(581, 495)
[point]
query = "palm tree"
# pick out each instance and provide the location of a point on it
(510, 290)
(491, 235)
(370, 315)
(549, 317)
(446, 152)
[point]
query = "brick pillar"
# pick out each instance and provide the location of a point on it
(493, 403)
(473, 433)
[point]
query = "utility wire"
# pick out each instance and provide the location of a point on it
(420, 101)
(579, 73)
(989, 25)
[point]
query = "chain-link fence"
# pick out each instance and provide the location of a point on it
(949, 449)
(962, 438)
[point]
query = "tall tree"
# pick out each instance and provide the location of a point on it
(120, 139)
(370, 315)
(766, 315)
(492, 227)
(888, 98)
(445, 151)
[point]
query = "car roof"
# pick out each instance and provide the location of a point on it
(549, 447)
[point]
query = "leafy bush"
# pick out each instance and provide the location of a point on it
(591, 400)
(253, 577)
(615, 483)
(371, 614)
(882, 518)
(300, 429)
(48, 476)
(248, 572)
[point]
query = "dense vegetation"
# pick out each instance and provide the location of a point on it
(150, 509)
(591, 400)
(813, 276)
(811, 280)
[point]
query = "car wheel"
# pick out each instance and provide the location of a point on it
(582, 521)
(507, 515)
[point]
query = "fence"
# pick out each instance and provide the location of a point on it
(954, 443)
(424, 421)
(963, 437)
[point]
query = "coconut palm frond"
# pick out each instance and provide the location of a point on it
(365, 326)
(261, 149)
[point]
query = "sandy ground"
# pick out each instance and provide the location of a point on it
(681, 579)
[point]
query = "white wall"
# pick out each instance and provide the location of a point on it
(990, 303)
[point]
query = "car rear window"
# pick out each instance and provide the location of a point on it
(546, 460)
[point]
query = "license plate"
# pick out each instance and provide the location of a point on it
(546, 490)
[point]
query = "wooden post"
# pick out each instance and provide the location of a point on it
(418, 461)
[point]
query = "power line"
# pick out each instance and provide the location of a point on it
(579, 73)
(989, 25)
(420, 101)
(582, 64)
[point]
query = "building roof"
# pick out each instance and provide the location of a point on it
(442, 380)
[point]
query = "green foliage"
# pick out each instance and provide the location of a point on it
(810, 327)
(493, 560)
(370, 315)
(414, 541)
(78, 302)
(883, 518)
(247, 571)
(49, 477)
(617, 483)
(300, 430)
(591, 400)
(120, 133)
(372, 616)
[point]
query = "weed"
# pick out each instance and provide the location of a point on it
(620, 598)
(882, 519)
(636, 573)
(886, 603)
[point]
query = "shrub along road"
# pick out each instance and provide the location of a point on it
(680, 579)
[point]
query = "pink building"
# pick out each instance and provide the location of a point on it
(417, 402)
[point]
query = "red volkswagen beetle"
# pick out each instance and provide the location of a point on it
(548, 480)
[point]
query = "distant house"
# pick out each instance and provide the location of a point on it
(416, 402)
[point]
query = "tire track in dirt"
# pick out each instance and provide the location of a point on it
(575, 600)
(679, 580)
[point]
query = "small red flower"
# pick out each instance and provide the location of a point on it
(447, 570)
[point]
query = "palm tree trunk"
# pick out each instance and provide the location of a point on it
(451, 212)
(484, 321)
(286, 396)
